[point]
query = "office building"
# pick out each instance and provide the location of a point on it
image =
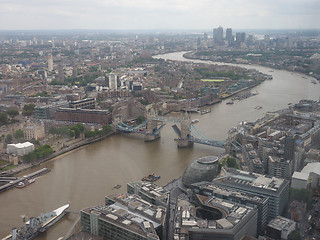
(149, 192)
(60, 76)
(240, 39)
(280, 228)
(289, 146)
(48, 111)
(213, 218)
(229, 37)
(50, 63)
(309, 177)
(125, 217)
(83, 115)
(276, 189)
(88, 103)
(218, 35)
(279, 167)
(113, 81)
(202, 169)
(258, 202)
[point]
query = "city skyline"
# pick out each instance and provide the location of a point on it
(149, 14)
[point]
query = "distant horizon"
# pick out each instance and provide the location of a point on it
(152, 14)
(161, 30)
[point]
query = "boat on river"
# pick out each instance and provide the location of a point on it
(205, 111)
(150, 178)
(117, 186)
(194, 121)
(25, 183)
(37, 225)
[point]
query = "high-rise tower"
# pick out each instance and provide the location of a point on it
(50, 63)
(229, 36)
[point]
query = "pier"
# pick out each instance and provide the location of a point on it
(13, 182)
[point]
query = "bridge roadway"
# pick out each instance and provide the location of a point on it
(166, 119)
(138, 129)
(219, 144)
(201, 140)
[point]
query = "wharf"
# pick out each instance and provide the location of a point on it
(190, 110)
(14, 183)
(227, 95)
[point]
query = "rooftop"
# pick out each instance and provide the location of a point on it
(131, 212)
(300, 175)
(281, 223)
(312, 167)
(223, 217)
(21, 145)
(229, 192)
(152, 190)
(253, 180)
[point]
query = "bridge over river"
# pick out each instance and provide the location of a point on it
(184, 128)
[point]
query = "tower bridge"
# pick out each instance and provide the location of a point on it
(187, 133)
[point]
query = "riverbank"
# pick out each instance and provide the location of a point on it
(190, 55)
(66, 150)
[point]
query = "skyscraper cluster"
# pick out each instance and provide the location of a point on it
(229, 39)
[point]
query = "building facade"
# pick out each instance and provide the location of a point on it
(20, 149)
(83, 115)
(36, 131)
(276, 189)
(125, 217)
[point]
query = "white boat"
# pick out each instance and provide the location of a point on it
(36, 225)
(194, 120)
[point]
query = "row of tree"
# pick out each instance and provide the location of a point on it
(230, 162)
(37, 154)
(105, 129)
(8, 116)
(68, 131)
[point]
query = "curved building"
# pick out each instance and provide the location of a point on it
(201, 169)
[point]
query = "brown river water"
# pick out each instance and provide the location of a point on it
(85, 176)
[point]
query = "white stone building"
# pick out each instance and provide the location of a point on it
(20, 149)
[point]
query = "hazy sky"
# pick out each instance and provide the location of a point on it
(158, 14)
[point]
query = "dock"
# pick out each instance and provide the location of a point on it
(15, 181)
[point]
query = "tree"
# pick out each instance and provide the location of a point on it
(301, 195)
(8, 139)
(106, 128)
(295, 235)
(19, 134)
(28, 109)
(40, 152)
(12, 112)
(140, 119)
(3, 118)
(77, 129)
(232, 163)
(80, 127)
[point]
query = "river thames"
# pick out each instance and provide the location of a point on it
(85, 176)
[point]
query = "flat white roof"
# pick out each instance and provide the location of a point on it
(312, 167)
(300, 176)
(22, 145)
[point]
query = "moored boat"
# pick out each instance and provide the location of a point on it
(151, 178)
(194, 120)
(25, 183)
(36, 225)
